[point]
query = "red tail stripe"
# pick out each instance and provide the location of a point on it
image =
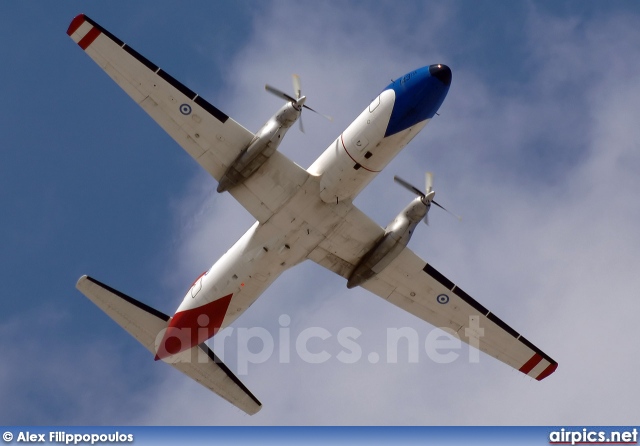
(89, 38)
(186, 330)
(531, 363)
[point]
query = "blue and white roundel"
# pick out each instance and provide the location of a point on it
(442, 299)
(185, 109)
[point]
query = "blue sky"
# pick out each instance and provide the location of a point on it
(536, 147)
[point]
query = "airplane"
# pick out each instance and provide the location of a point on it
(300, 214)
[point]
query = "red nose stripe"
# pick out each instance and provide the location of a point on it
(192, 327)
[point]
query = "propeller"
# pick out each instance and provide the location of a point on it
(427, 197)
(298, 102)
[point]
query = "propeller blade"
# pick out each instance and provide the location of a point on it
(329, 118)
(298, 101)
(427, 197)
(408, 186)
(297, 89)
(447, 210)
(279, 93)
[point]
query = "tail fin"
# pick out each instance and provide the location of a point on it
(145, 324)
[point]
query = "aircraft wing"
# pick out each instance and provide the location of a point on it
(417, 287)
(211, 137)
(145, 324)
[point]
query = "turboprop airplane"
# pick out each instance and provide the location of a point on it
(300, 214)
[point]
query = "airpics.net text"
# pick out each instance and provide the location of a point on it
(256, 345)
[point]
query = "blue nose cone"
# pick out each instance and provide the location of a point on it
(419, 95)
(441, 72)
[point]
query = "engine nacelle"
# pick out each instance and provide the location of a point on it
(396, 236)
(263, 145)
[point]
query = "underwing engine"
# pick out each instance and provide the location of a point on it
(397, 233)
(263, 145)
(396, 236)
(268, 138)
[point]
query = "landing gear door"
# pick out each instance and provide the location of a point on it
(374, 104)
(197, 286)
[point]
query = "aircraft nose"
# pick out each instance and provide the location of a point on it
(441, 72)
(418, 96)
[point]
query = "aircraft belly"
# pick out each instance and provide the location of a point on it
(267, 249)
(253, 263)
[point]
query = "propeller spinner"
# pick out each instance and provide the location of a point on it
(298, 102)
(427, 196)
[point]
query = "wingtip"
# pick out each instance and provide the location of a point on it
(76, 23)
(548, 371)
(81, 280)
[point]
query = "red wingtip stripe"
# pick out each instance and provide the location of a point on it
(531, 363)
(89, 38)
(76, 23)
(548, 371)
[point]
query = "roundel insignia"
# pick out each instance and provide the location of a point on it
(442, 299)
(185, 109)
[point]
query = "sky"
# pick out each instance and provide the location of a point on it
(536, 146)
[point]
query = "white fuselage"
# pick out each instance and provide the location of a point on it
(307, 217)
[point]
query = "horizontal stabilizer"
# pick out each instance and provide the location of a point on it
(147, 325)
